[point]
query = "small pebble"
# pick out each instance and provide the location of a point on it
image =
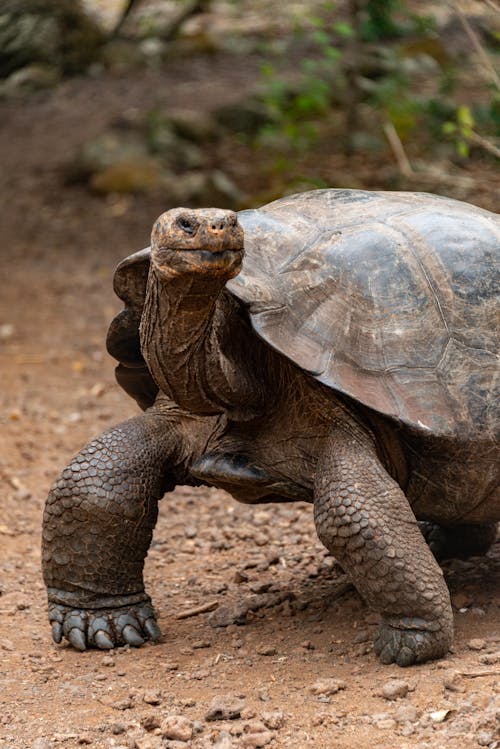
(406, 714)
(223, 741)
(395, 688)
(42, 744)
(387, 724)
(152, 697)
(266, 650)
(476, 644)
(327, 686)
(274, 719)
(177, 727)
(255, 740)
(453, 681)
(222, 708)
(485, 738)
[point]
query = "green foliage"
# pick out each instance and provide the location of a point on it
(294, 109)
(379, 22)
(409, 83)
(461, 129)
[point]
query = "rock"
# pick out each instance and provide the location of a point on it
(395, 688)
(327, 686)
(194, 125)
(128, 177)
(274, 719)
(121, 55)
(204, 188)
(227, 614)
(150, 722)
(224, 708)
(223, 741)
(386, 724)
(114, 146)
(476, 644)
(246, 117)
(490, 659)
(35, 77)
(52, 32)
(42, 743)
(406, 714)
(177, 727)
(255, 740)
(149, 742)
(175, 151)
(453, 681)
(263, 649)
(485, 738)
(361, 637)
(152, 697)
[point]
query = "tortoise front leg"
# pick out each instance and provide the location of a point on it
(98, 523)
(363, 517)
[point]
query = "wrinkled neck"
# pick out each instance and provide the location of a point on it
(191, 338)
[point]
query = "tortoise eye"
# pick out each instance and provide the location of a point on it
(185, 225)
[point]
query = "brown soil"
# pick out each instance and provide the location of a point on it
(60, 245)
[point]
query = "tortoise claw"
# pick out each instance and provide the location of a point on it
(132, 636)
(77, 638)
(103, 641)
(57, 632)
(152, 629)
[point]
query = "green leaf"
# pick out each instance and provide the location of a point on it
(343, 29)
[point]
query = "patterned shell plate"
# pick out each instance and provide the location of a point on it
(390, 298)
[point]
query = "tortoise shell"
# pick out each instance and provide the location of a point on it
(389, 298)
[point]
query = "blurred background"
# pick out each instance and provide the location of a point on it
(113, 111)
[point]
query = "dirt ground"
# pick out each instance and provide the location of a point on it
(304, 624)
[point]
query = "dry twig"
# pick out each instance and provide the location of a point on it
(403, 162)
(203, 609)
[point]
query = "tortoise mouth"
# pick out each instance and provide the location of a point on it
(218, 261)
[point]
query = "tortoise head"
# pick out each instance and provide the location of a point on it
(203, 241)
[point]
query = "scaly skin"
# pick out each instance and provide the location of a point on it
(363, 517)
(98, 524)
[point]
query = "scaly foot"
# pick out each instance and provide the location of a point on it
(105, 628)
(410, 640)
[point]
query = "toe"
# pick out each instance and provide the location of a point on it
(132, 636)
(152, 629)
(77, 638)
(103, 640)
(57, 632)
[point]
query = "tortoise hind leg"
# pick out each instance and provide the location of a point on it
(458, 541)
(98, 523)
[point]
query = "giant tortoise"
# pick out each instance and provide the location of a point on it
(337, 347)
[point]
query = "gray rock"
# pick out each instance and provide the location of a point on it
(224, 708)
(327, 686)
(34, 77)
(42, 743)
(273, 719)
(395, 688)
(246, 117)
(194, 125)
